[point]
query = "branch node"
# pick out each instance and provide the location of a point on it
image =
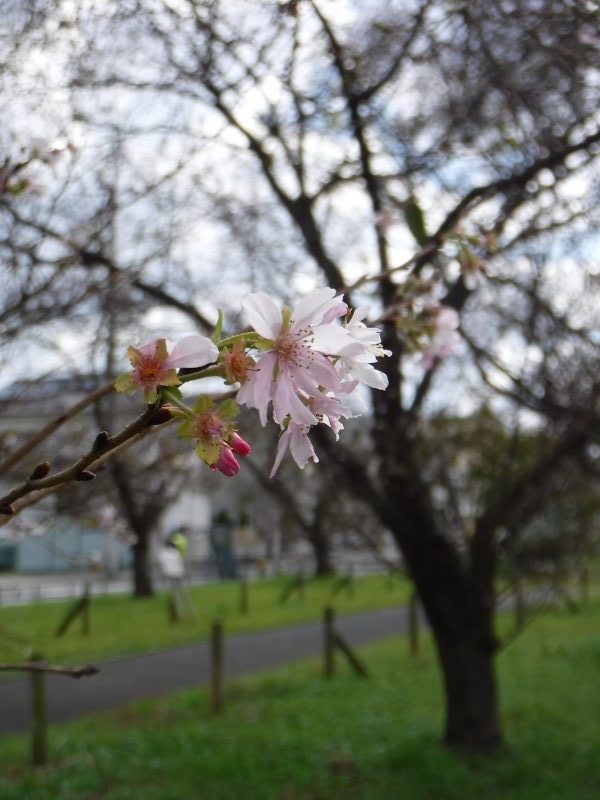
(162, 415)
(101, 441)
(40, 471)
(86, 475)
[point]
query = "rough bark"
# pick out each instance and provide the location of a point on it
(319, 542)
(142, 575)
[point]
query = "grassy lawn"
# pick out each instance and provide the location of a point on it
(291, 736)
(121, 625)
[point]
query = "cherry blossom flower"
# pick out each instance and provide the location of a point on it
(329, 409)
(154, 366)
(295, 438)
(445, 338)
(216, 435)
(236, 363)
(295, 346)
(357, 358)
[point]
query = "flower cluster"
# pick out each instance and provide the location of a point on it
(215, 433)
(308, 364)
(297, 365)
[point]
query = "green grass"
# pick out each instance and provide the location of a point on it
(123, 625)
(289, 735)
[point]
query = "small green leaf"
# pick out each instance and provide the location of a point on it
(124, 383)
(216, 335)
(185, 430)
(263, 344)
(173, 391)
(415, 221)
(209, 451)
(203, 403)
(228, 409)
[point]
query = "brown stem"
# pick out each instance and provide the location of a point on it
(71, 672)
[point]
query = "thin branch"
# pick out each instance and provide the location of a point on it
(54, 425)
(37, 667)
(78, 470)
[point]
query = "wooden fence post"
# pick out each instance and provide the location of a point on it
(243, 596)
(520, 605)
(584, 585)
(301, 587)
(332, 639)
(413, 624)
(216, 662)
(85, 612)
(39, 728)
(329, 643)
(354, 661)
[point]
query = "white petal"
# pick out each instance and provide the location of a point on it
(286, 401)
(301, 447)
(193, 351)
(358, 352)
(312, 307)
(331, 339)
(282, 446)
(321, 372)
(263, 314)
(359, 314)
(366, 373)
(336, 310)
(149, 349)
(257, 389)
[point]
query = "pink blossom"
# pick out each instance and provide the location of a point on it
(216, 436)
(239, 445)
(445, 338)
(295, 438)
(154, 366)
(294, 363)
(329, 409)
(226, 463)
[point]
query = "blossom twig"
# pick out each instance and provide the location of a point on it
(78, 470)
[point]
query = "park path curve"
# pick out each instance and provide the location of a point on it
(166, 671)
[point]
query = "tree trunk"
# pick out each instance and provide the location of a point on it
(455, 588)
(472, 722)
(460, 610)
(321, 550)
(456, 592)
(142, 576)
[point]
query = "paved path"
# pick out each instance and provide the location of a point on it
(163, 672)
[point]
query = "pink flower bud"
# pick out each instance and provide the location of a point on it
(227, 463)
(239, 445)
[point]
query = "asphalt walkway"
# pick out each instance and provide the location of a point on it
(163, 672)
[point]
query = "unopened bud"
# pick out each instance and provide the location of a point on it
(86, 475)
(163, 415)
(101, 441)
(40, 471)
(227, 463)
(239, 445)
